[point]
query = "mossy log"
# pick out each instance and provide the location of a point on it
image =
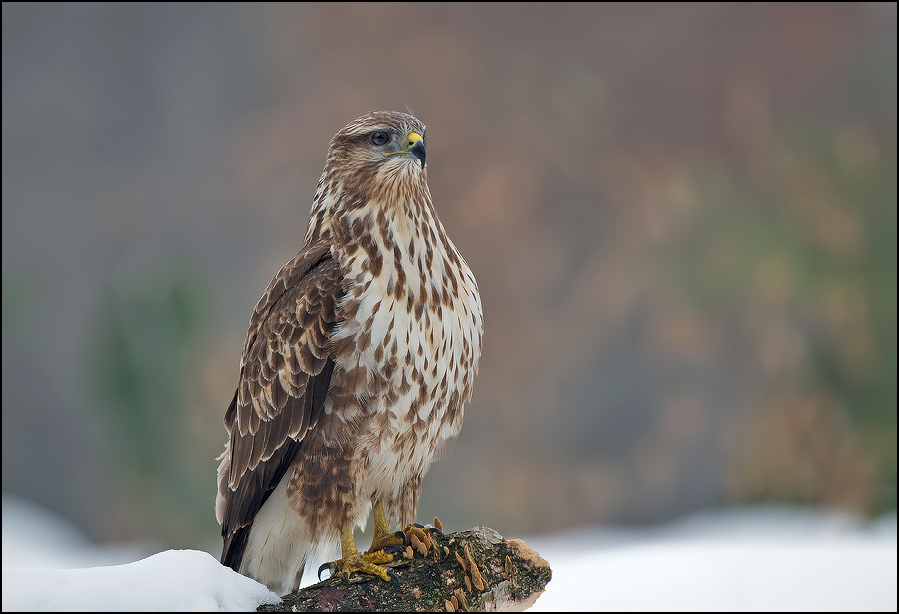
(475, 570)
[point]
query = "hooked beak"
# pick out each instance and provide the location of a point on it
(416, 147)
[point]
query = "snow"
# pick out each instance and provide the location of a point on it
(182, 580)
(48, 565)
(756, 559)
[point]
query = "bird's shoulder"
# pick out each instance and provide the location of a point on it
(296, 292)
(288, 341)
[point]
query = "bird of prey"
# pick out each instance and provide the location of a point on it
(358, 361)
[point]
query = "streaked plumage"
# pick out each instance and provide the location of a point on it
(358, 360)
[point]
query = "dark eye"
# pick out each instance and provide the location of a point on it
(379, 138)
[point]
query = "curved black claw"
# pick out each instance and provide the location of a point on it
(429, 529)
(329, 566)
(402, 535)
(346, 577)
(394, 549)
(393, 577)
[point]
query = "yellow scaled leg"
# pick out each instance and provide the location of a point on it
(415, 535)
(371, 562)
(383, 538)
(352, 561)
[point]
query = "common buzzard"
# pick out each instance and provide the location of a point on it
(358, 361)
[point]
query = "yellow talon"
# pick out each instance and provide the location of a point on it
(352, 561)
(383, 538)
(384, 545)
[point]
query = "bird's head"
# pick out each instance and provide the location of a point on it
(375, 166)
(380, 140)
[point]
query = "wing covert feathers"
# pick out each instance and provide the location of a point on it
(285, 372)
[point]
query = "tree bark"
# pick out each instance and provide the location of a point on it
(475, 570)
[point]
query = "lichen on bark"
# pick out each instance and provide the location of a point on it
(475, 570)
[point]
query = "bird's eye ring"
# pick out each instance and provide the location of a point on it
(379, 138)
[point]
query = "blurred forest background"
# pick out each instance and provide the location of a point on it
(682, 218)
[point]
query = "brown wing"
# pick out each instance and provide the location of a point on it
(284, 377)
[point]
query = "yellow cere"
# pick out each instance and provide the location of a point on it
(414, 137)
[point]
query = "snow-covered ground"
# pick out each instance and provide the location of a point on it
(747, 560)
(754, 559)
